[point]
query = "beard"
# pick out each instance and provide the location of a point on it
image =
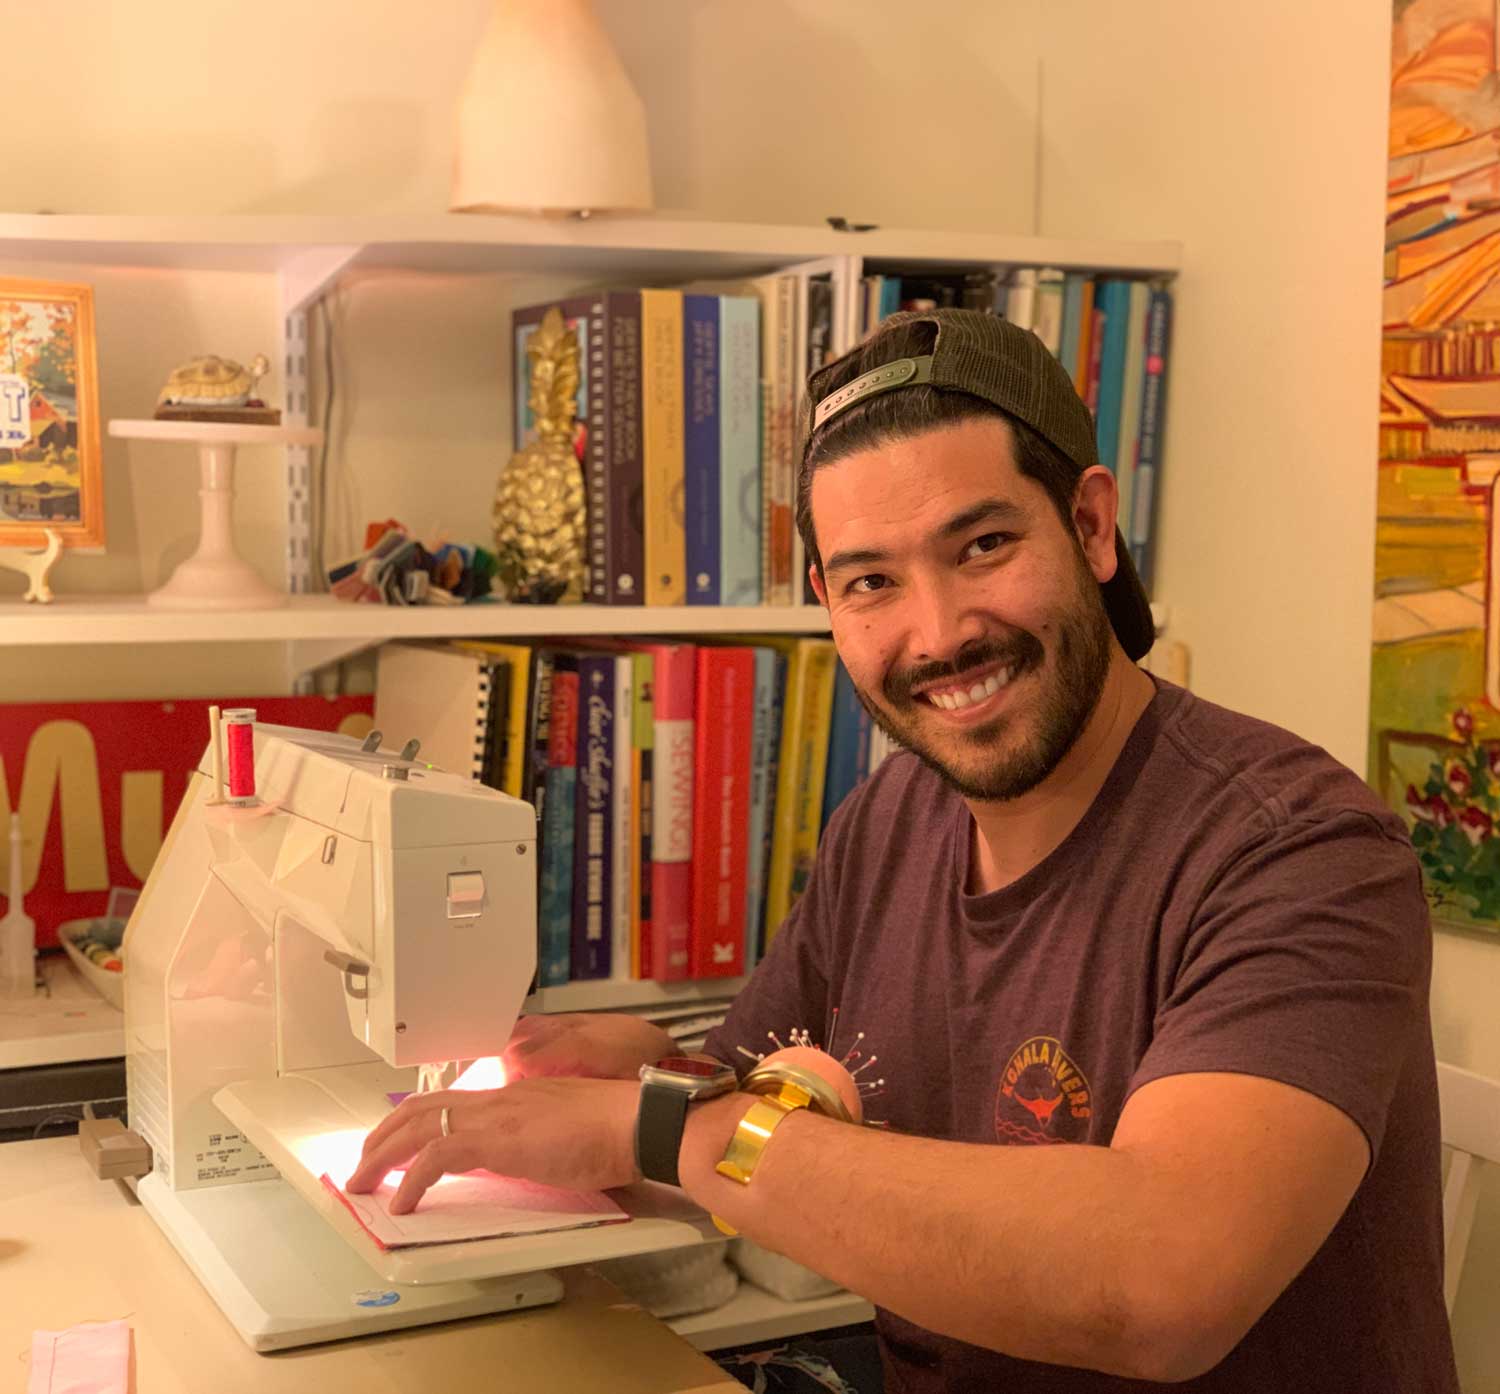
(1011, 755)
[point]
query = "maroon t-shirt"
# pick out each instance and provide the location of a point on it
(1234, 900)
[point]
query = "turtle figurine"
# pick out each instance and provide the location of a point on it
(210, 388)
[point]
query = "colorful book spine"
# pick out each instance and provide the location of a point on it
(621, 497)
(642, 750)
(1096, 359)
(515, 735)
(799, 786)
(1153, 422)
(739, 450)
(539, 732)
(1072, 317)
(1133, 386)
(622, 799)
(1086, 341)
(724, 706)
(593, 863)
(662, 423)
(848, 744)
(1116, 302)
(765, 734)
(701, 464)
(673, 697)
(778, 388)
(555, 907)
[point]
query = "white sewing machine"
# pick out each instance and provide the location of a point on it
(290, 966)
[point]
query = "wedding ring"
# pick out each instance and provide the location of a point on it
(443, 1123)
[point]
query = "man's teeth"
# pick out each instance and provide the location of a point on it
(958, 697)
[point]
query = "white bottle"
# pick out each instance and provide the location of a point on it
(17, 930)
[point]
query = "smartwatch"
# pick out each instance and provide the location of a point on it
(667, 1088)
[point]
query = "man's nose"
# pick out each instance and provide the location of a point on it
(940, 623)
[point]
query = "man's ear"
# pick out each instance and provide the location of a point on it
(1095, 504)
(815, 576)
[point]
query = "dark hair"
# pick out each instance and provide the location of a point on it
(906, 412)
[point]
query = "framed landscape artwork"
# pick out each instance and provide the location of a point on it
(49, 415)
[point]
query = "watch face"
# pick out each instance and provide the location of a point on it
(692, 1077)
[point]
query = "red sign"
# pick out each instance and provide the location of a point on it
(97, 783)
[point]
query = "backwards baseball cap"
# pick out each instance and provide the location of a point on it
(990, 358)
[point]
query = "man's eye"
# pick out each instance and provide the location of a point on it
(988, 542)
(867, 585)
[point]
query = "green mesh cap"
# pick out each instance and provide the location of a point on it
(990, 358)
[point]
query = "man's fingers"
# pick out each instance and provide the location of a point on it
(426, 1169)
(392, 1151)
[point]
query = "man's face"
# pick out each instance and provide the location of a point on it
(967, 613)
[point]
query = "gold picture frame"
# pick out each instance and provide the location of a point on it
(50, 475)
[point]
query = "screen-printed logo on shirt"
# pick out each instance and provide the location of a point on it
(1043, 1096)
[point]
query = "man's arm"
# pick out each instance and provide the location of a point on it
(1150, 1258)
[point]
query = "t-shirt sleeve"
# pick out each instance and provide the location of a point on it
(1307, 962)
(789, 988)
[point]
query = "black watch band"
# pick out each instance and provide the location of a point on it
(659, 1122)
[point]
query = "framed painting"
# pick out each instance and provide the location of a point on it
(49, 415)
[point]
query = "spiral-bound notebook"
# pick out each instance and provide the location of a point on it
(452, 700)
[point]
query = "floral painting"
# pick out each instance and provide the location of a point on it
(1435, 691)
(49, 416)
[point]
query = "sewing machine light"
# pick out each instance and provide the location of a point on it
(488, 1073)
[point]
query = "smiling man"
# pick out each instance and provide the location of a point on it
(1143, 981)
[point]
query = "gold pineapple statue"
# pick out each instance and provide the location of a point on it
(539, 510)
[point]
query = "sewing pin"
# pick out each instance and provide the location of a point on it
(866, 1065)
(853, 1051)
(775, 1038)
(749, 1054)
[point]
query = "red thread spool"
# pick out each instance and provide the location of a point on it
(239, 726)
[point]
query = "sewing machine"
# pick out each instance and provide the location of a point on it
(290, 966)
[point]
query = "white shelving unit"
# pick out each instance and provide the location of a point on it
(307, 256)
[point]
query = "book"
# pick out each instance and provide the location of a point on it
(1153, 423)
(622, 834)
(520, 709)
(673, 692)
(1072, 323)
(1132, 384)
(701, 448)
(538, 733)
(555, 901)
(765, 744)
(441, 695)
(1115, 296)
(1048, 311)
(642, 750)
(593, 828)
(662, 434)
(739, 450)
(723, 716)
(805, 721)
(778, 395)
(848, 744)
(1086, 360)
(1020, 297)
(617, 507)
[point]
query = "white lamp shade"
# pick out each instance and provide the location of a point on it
(549, 121)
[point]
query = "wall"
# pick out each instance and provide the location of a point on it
(1255, 135)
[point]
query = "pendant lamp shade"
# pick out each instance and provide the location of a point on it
(549, 121)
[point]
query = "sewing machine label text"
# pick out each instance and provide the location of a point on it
(228, 1155)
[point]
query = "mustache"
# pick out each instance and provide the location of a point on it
(1023, 651)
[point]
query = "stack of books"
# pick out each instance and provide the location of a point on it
(680, 788)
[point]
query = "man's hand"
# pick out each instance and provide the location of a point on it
(575, 1133)
(598, 1045)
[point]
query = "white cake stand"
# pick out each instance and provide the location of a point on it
(216, 577)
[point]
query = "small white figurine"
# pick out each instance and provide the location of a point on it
(34, 563)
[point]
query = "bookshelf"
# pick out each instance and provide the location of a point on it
(303, 258)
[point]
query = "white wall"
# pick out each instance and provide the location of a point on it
(1253, 134)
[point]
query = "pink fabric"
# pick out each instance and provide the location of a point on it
(91, 1358)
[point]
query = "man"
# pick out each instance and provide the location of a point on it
(1145, 981)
